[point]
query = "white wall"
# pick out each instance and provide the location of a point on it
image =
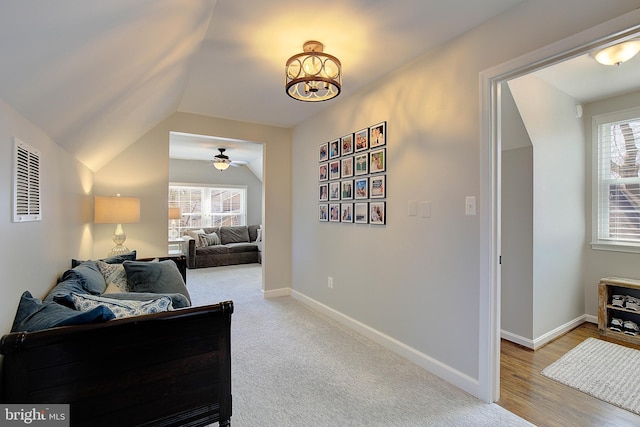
(415, 281)
(202, 172)
(516, 317)
(35, 254)
(604, 263)
(559, 185)
(142, 170)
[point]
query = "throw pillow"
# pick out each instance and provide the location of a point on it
(234, 234)
(177, 300)
(90, 277)
(121, 308)
(259, 238)
(209, 239)
(112, 289)
(35, 315)
(157, 277)
(115, 259)
(114, 275)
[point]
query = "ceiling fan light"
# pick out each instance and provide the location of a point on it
(221, 161)
(221, 166)
(618, 53)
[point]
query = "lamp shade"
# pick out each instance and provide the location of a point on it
(116, 210)
(175, 213)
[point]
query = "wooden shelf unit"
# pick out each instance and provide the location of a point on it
(607, 287)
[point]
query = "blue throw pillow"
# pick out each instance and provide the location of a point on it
(34, 315)
(157, 277)
(70, 282)
(90, 277)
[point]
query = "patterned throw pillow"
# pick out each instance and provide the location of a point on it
(122, 308)
(114, 275)
(208, 239)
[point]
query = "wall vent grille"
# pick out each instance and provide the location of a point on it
(26, 183)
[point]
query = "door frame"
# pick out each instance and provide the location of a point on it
(607, 33)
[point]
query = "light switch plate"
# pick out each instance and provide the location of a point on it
(425, 209)
(413, 207)
(470, 205)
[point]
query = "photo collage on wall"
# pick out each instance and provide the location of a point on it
(352, 177)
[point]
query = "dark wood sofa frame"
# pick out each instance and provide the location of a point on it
(165, 369)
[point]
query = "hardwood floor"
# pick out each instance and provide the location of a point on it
(544, 402)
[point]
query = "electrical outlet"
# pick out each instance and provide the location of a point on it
(330, 282)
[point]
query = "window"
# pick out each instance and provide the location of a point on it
(617, 181)
(208, 206)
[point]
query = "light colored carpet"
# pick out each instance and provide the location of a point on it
(293, 366)
(604, 370)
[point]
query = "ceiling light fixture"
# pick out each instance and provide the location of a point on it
(221, 161)
(313, 75)
(618, 53)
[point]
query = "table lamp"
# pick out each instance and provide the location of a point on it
(117, 210)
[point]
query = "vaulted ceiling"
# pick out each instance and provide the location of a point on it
(96, 75)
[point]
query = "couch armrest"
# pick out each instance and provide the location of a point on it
(190, 243)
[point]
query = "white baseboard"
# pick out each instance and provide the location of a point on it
(436, 367)
(276, 293)
(525, 342)
(591, 318)
(549, 336)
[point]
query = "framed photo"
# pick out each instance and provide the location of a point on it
(378, 135)
(347, 167)
(323, 212)
(323, 172)
(377, 187)
(346, 212)
(347, 190)
(361, 213)
(361, 164)
(334, 169)
(377, 214)
(361, 188)
(323, 152)
(334, 190)
(334, 149)
(334, 212)
(347, 144)
(323, 192)
(377, 160)
(362, 140)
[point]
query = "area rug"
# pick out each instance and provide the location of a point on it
(607, 371)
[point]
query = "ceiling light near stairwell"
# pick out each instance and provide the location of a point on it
(618, 53)
(313, 75)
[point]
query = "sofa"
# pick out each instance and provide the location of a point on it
(134, 356)
(225, 245)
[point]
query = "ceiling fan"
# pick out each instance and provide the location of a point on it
(222, 162)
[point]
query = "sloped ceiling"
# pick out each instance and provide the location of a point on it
(96, 75)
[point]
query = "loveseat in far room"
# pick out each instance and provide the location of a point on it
(226, 245)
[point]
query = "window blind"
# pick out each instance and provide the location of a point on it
(618, 198)
(204, 206)
(26, 183)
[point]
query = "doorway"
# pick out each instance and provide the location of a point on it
(491, 190)
(231, 195)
